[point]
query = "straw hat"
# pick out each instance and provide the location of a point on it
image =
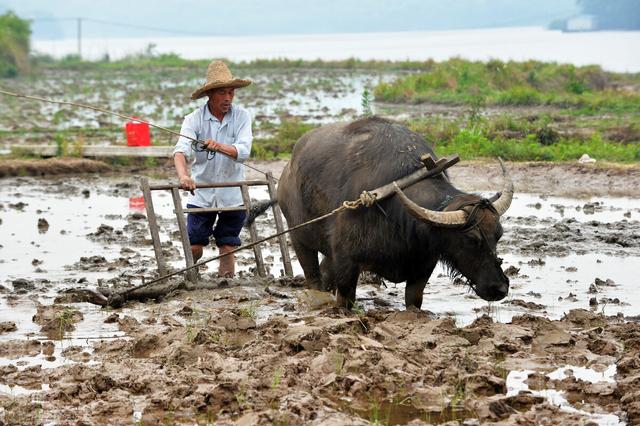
(218, 75)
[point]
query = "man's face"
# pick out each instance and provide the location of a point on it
(220, 100)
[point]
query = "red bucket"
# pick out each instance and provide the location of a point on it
(137, 133)
(136, 203)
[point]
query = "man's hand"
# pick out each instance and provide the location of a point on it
(212, 145)
(228, 150)
(187, 183)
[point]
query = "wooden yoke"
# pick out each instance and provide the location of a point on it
(431, 168)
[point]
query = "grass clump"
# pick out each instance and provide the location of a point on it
(284, 137)
(250, 311)
(459, 81)
(148, 58)
(530, 138)
(473, 143)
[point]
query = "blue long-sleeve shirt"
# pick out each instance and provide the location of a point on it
(235, 129)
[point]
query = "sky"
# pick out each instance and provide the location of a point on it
(54, 19)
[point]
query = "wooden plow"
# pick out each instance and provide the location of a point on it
(191, 272)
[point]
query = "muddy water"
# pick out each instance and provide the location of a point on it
(74, 232)
(56, 232)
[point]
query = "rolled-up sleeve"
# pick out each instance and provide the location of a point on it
(189, 128)
(244, 137)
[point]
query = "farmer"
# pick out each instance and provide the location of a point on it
(225, 129)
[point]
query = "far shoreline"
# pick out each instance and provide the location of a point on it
(609, 49)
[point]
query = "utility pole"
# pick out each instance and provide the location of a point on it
(79, 38)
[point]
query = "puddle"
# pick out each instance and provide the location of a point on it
(16, 390)
(602, 209)
(516, 383)
(311, 95)
(585, 374)
(398, 413)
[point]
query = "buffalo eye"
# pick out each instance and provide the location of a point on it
(474, 239)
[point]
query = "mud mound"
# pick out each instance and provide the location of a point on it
(199, 363)
(51, 166)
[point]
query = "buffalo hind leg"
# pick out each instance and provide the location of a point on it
(346, 280)
(309, 262)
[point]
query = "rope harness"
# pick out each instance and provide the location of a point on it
(366, 199)
(476, 215)
(198, 146)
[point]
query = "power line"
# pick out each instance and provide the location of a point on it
(52, 19)
(127, 25)
(142, 27)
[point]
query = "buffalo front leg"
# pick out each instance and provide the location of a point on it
(413, 293)
(415, 287)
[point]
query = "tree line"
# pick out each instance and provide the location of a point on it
(14, 45)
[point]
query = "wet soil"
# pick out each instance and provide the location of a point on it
(188, 362)
(256, 350)
(561, 179)
(570, 179)
(50, 166)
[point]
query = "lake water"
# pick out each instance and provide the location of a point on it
(613, 50)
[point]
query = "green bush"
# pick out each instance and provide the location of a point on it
(525, 139)
(470, 144)
(458, 81)
(14, 45)
(284, 138)
(519, 96)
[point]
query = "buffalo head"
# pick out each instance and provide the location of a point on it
(467, 232)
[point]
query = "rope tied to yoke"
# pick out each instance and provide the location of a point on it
(366, 199)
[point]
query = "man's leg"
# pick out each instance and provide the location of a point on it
(226, 234)
(196, 252)
(200, 228)
(227, 265)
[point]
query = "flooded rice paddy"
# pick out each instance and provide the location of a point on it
(313, 96)
(561, 348)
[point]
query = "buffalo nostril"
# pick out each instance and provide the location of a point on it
(493, 293)
(500, 292)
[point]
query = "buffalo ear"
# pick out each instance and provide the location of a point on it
(495, 196)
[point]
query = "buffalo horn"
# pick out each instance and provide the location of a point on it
(502, 203)
(455, 218)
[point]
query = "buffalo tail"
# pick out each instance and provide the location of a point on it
(257, 209)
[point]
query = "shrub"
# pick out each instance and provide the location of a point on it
(284, 138)
(14, 45)
(458, 81)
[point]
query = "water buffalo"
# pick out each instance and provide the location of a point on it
(401, 238)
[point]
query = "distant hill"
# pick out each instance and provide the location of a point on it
(56, 19)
